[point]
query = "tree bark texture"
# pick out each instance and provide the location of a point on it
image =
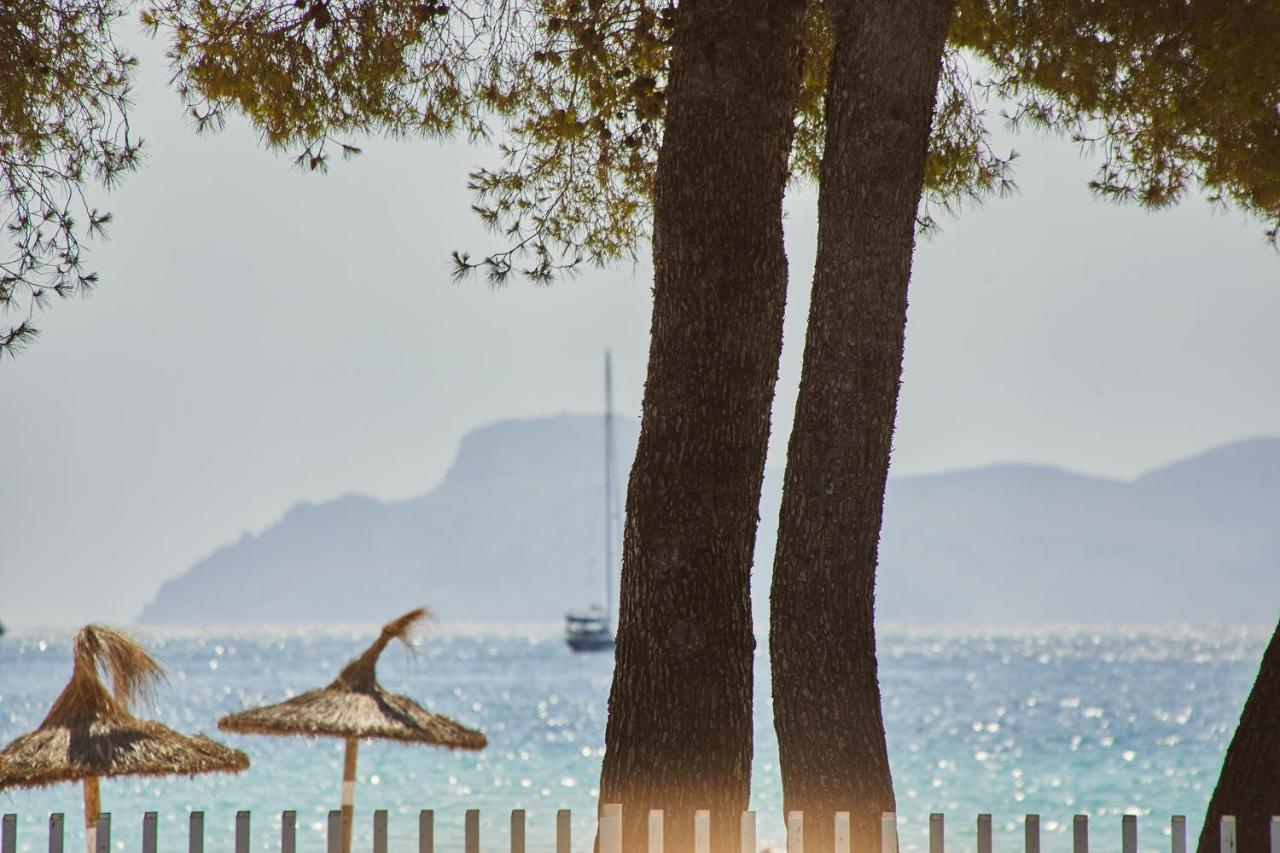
(679, 733)
(1249, 785)
(826, 693)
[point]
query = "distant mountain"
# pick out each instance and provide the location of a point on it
(514, 533)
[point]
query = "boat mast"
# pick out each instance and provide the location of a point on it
(610, 513)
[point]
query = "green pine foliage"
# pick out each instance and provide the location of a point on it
(1170, 96)
(64, 89)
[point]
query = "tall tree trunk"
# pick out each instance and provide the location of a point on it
(826, 693)
(679, 734)
(1249, 786)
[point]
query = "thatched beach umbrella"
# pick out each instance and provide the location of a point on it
(90, 733)
(355, 706)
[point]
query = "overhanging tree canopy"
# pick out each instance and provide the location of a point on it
(574, 93)
(64, 89)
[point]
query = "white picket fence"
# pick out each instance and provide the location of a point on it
(609, 830)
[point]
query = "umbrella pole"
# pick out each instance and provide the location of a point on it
(348, 792)
(92, 805)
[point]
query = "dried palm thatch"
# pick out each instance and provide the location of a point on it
(90, 732)
(355, 706)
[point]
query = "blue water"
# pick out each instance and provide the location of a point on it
(1055, 721)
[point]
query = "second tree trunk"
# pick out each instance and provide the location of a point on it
(826, 695)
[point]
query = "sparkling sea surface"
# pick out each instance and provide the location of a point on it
(1052, 720)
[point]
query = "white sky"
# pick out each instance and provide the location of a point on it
(262, 337)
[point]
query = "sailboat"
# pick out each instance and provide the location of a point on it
(591, 630)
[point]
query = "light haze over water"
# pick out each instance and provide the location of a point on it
(1049, 720)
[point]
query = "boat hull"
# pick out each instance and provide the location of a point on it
(590, 643)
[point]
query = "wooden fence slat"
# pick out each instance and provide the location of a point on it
(1129, 833)
(517, 831)
(380, 831)
(702, 831)
(842, 832)
(289, 832)
(888, 832)
(1227, 830)
(747, 832)
(55, 832)
(610, 827)
(1275, 834)
(333, 838)
(195, 833)
(564, 830)
(426, 831)
(242, 832)
(795, 832)
(984, 833)
(937, 834)
(610, 832)
(471, 832)
(9, 834)
(655, 830)
(1080, 834)
(102, 833)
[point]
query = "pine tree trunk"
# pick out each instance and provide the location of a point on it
(679, 734)
(826, 693)
(1249, 786)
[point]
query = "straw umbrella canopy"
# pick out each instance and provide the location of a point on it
(90, 733)
(355, 706)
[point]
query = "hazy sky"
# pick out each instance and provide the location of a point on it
(262, 336)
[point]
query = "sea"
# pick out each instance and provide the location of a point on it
(1047, 720)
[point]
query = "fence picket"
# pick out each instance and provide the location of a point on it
(888, 832)
(984, 833)
(380, 831)
(242, 832)
(55, 832)
(471, 831)
(195, 833)
(610, 832)
(610, 824)
(517, 831)
(1129, 834)
(1227, 834)
(564, 830)
(795, 832)
(288, 832)
(655, 830)
(333, 838)
(102, 833)
(842, 832)
(149, 832)
(1275, 834)
(702, 831)
(1080, 834)
(747, 832)
(426, 831)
